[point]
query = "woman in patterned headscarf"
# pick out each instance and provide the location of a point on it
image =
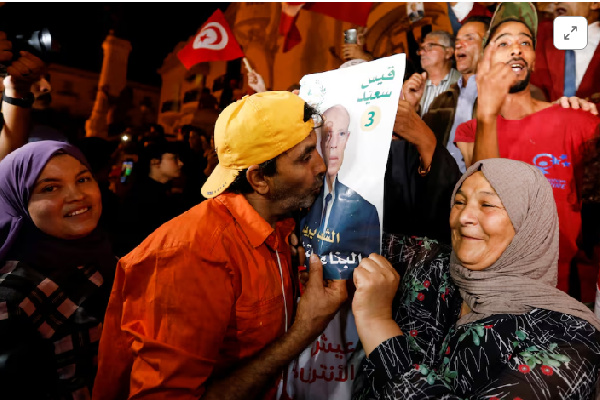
(486, 321)
(56, 270)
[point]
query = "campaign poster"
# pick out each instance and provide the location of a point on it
(359, 106)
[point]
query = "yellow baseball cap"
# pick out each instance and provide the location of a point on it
(253, 130)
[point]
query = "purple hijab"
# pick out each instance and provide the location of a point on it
(18, 173)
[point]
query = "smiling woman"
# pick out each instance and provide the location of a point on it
(65, 201)
(486, 321)
(56, 271)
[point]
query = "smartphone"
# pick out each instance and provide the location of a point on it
(350, 36)
(126, 168)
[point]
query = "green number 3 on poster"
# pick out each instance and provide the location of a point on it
(370, 118)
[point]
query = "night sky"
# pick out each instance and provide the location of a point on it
(153, 29)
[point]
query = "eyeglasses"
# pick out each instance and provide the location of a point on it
(428, 47)
(318, 120)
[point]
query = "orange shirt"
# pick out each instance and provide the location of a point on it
(201, 293)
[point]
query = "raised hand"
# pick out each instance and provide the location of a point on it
(413, 88)
(493, 84)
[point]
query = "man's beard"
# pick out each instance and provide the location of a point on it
(521, 85)
(292, 200)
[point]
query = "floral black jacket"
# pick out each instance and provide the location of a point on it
(539, 355)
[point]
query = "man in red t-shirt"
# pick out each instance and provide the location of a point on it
(511, 124)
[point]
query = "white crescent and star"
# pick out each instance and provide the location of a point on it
(212, 37)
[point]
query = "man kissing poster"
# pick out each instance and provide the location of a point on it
(359, 106)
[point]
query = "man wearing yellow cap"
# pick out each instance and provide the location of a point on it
(203, 307)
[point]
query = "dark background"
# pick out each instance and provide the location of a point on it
(154, 29)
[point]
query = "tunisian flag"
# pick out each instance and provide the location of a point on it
(213, 42)
(356, 13)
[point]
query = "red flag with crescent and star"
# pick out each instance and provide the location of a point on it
(213, 42)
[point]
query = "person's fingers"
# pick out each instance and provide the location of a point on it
(247, 64)
(385, 267)
(369, 265)
(413, 76)
(358, 275)
(31, 62)
(301, 255)
(18, 70)
(293, 240)
(503, 73)
(563, 101)
(379, 260)
(315, 273)
(303, 277)
(574, 101)
(593, 109)
(338, 288)
(486, 61)
(417, 81)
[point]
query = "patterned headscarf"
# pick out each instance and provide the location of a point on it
(525, 275)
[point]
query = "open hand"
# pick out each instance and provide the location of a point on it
(576, 102)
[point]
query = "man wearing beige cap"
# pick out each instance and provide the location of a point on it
(203, 308)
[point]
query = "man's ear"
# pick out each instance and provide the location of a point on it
(257, 180)
(154, 162)
(449, 53)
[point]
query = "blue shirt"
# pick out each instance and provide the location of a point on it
(463, 113)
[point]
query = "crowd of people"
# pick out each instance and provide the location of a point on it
(168, 268)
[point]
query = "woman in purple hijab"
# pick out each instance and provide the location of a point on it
(56, 270)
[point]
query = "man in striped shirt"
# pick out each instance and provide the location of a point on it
(437, 52)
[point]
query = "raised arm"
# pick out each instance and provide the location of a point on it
(21, 74)
(493, 85)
